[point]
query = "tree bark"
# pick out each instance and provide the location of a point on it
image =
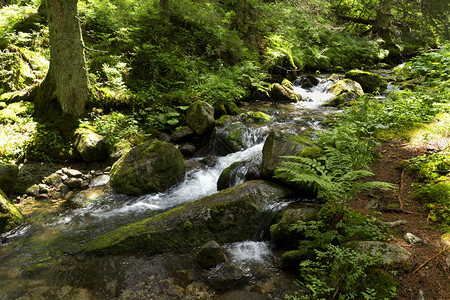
(66, 86)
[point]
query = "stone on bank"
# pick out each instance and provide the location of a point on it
(10, 216)
(151, 167)
(228, 216)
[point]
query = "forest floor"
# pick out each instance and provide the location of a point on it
(427, 270)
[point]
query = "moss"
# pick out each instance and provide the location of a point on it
(287, 84)
(255, 117)
(370, 82)
(312, 152)
(232, 109)
(10, 216)
(382, 283)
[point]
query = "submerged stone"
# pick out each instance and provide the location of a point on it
(150, 167)
(210, 255)
(10, 216)
(228, 216)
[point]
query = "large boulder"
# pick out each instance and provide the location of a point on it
(343, 99)
(10, 216)
(389, 253)
(90, 145)
(200, 117)
(151, 167)
(280, 93)
(279, 144)
(370, 82)
(346, 85)
(228, 216)
(8, 177)
(230, 176)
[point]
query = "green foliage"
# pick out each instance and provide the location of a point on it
(437, 197)
(49, 145)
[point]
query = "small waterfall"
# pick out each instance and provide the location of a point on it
(315, 96)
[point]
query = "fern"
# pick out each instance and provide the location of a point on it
(330, 178)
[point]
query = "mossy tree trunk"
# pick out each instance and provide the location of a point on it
(65, 88)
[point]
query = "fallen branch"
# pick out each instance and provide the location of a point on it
(430, 259)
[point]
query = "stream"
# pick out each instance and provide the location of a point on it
(35, 259)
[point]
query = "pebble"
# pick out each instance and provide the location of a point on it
(396, 223)
(72, 172)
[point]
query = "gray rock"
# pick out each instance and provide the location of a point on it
(227, 276)
(99, 181)
(421, 295)
(151, 167)
(390, 253)
(413, 239)
(278, 144)
(72, 173)
(90, 145)
(182, 134)
(8, 177)
(187, 149)
(228, 216)
(210, 255)
(242, 295)
(73, 183)
(200, 117)
(43, 188)
(64, 191)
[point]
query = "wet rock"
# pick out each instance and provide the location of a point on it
(200, 117)
(42, 197)
(343, 99)
(210, 255)
(183, 134)
(287, 84)
(229, 175)
(90, 145)
(279, 93)
(255, 117)
(187, 149)
(413, 239)
(64, 190)
(227, 139)
(53, 179)
(370, 82)
(99, 181)
(10, 216)
(240, 295)
(151, 167)
(226, 277)
(43, 188)
(390, 253)
(72, 173)
(8, 177)
(228, 216)
(280, 233)
(84, 184)
(232, 109)
(86, 197)
(308, 81)
(278, 144)
(252, 173)
(346, 85)
(73, 183)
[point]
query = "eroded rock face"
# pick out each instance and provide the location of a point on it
(228, 216)
(150, 167)
(200, 117)
(278, 144)
(90, 145)
(8, 176)
(370, 82)
(10, 216)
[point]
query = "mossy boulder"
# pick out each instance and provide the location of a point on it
(280, 233)
(200, 117)
(343, 99)
(228, 139)
(255, 117)
(17, 73)
(346, 85)
(8, 176)
(287, 84)
(279, 144)
(370, 82)
(279, 93)
(228, 216)
(312, 152)
(10, 216)
(210, 255)
(151, 167)
(232, 108)
(90, 145)
(390, 253)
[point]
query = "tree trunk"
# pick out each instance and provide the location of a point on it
(65, 88)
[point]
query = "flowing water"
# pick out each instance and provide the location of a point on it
(34, 259)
